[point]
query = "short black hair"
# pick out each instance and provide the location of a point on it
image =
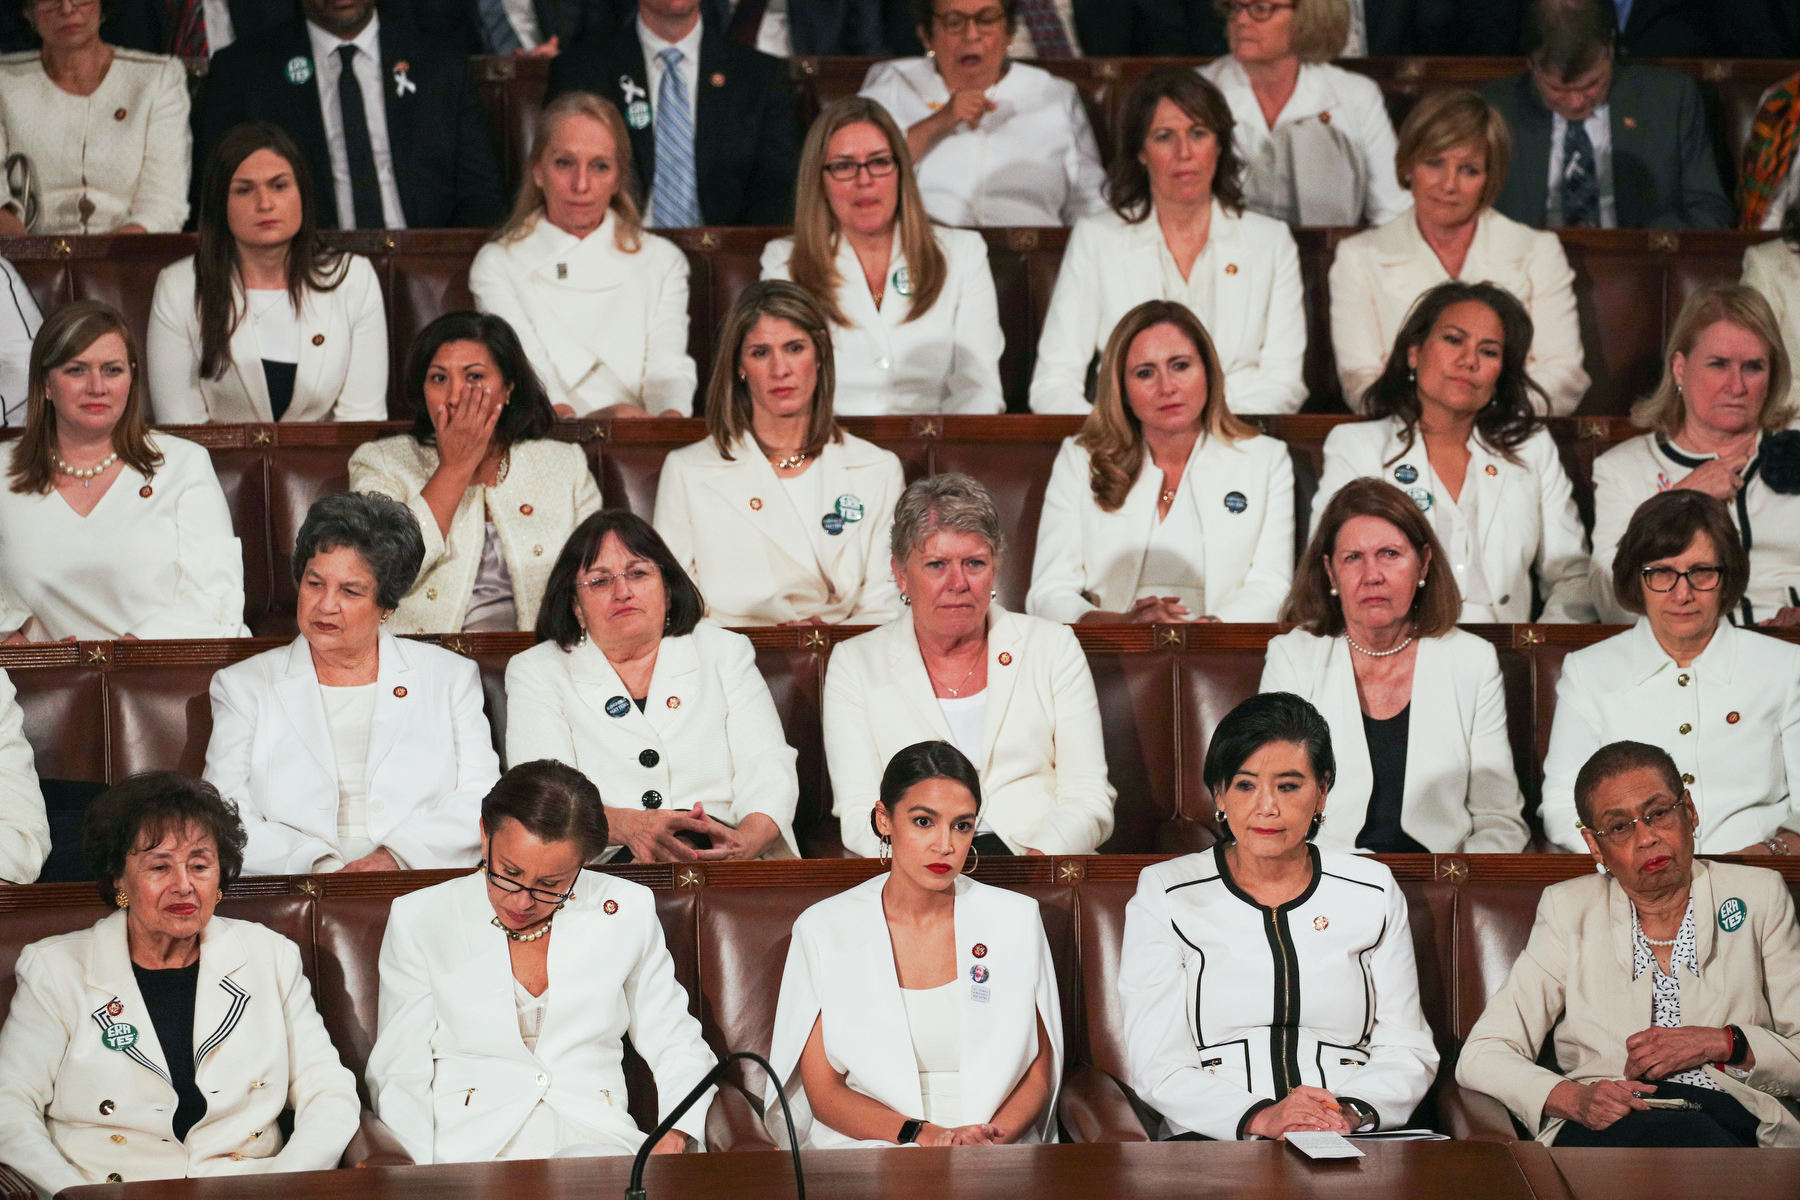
(556, 614)
(553, 801)
(1662, 527)
(1615, 759)
(919, 763)
(381, 529)
(139, 812)
(527, 415)
(1258, 721)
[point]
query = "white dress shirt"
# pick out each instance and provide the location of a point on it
(19, 324)
(327, 68)
(1032, 161)
(522, 16)
(1599, 130)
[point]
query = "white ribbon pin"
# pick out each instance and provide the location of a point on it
(630, 90)
(402, 82)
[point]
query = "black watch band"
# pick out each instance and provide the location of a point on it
(909, 1132)
(1740, 1047)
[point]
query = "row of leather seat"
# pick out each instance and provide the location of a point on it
(1629, 284)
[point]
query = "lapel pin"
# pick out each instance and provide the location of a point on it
(674, 702)
(146, 491)
(1321, 923)
(1406, 473)
(849, 507)
(562, 270)
(318, 339)
(1231, 268)
(114, 1008)
(107, 1107)
(119, 114)
(618, 706)
(832, 524)
(718, 79)
(400, 693)
(755, 504)
(1005, 658)
(611, 907)
(1325, 117)
(978, 973)
(1492, 470)
(403, 84)
(1236, 502)
(1631, 122)
(979, 950)
(299, 70)
(524, 510)
(1731, 718)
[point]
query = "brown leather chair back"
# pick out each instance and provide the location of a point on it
(298, 475)
(1017, 478)
(63, 720)
(1100, 936)
(1207, 686)
(1135, 693)
(1492, 922)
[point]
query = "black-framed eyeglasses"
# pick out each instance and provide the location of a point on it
(538, 894)
(1659, 816)
(957, 23)
(1257, 10)
(879, 166)
(1702, 578)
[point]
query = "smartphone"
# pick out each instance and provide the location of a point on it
(1671, 1104)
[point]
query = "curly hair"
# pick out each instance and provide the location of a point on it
(382, 530)
(136, 814)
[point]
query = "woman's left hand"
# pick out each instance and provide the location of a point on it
(1657, 1053)
(742, 844)
(672, 1142)
(377, 859)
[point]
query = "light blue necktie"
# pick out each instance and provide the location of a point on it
(673, 200)
(502, 38)
(1624, 9)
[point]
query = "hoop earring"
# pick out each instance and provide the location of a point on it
(971, 862)
(121, 900)
(887, 850)
(1225, 834)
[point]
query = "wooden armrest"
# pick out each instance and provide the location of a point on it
(1094, 1108)
(732, 1123)
(14, 1186)
(1469, 1115)
(373, 1145)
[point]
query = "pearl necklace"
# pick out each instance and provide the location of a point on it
(1378, 653)
(790, 462)
(525, 937)
(87, 475)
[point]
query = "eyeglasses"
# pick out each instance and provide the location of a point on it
(48, 6)
(604, 582)
(1703, 578)
(1660, 817)
(1257, 10)
(957, 23)
(538, 894)
(879, 166)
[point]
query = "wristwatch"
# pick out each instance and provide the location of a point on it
(909, 1132)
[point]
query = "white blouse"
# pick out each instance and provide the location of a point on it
(934, 1021)
(349, 712)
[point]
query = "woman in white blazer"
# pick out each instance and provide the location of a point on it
(920, 1007)
(494, 493)
(997, 142)
(1012, 692)
(779, 516)
(468, 1064)
(1720, 423)
(1268, 985)
(1118, 541)
(600, 305)
(1322, 157)
(20, 321)
(350, 749)
(1773, 268)
(265, 323)
(1723, 700)
(1453, 154)
(914, 320)
(1416, 706)
(1178, 230)
(1661, 975)
(24, 824)
(1451, 421)
(107, 531)
(665, 711)
(163, 1019)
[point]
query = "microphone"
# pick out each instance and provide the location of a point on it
(636, 1190)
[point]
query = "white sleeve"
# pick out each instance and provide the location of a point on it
(1403, 1059)
(1384, 199)
(1356, 338)
(850, 755)
(443, 832)
(1271, 572)
(273, 847)
(1575, 733)
(665, 1033)
(1496, 806)
(370, 471)
(670, 376)
(674, 521)
(879, 600)
(1081, 816)
(973, 385)
(1564, 568)
(1276, 383)
(321, 1090)
(1339, 470)
(19, 324)
(1556, 358)
(210, 603)
(24, 825)
(1071, 332)
(1615, 499)
(1056, 569)
(763, 775)
(401, 1065)
(160, 201)
(494, 293)
(536, 724)
(1279, 673)
(174, 354)
(33, 1042)
(1081, 164)
(365, 393)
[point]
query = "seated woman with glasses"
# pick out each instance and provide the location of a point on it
(1724, 701)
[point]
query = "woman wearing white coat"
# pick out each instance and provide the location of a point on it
(1453, 154)
(1178, 230)
(913, 315)
(1773, 268)
(601, 305)
(779, 516)
(1117, 540)
(919, 1007)
(351, 749)
(506, 995)
(1417, 707)
(266, 323)
(665, 711)
(1451, 422)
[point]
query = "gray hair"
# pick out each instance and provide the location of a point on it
(382, 530)
(955, 503)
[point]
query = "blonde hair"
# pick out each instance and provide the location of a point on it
(528, 208)
(1442, 121)
(814, 262)
(1735, 304)
(728, 403)
(70, 330)
(1112, 434)
(1321, 27)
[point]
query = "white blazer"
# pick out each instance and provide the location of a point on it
(1731, 721)
(757, 560)
(548, 490)
(1200, 980)
(1032, 161)
(945, 360)
(156, 558)
(73, 1111)
(24, 825)
(1042, 760)
(1378, 273)
(1526, 510)
(1774, 270)
(1243, 493)
(448, 1072)
(1257, 322)
(431, 757)
(603, 327)
(1461, 794)
(343, 370)
(840, 975)
(20, 321)
(709, 733)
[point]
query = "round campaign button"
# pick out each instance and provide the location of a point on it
(120, 1036)
(1406, 473)
(848, 507)
(833, 524)
(978, 973)
(299, 69)
(1420, 497)
(618, 706)
(637, 114)
(903, 281)
(1236, 502)
(1732, 914)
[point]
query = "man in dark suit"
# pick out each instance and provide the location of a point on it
(388, 119)
(1603, 144)
(713, 131)
(153, 26)
(485, 26)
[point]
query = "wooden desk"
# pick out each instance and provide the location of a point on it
(1594, 1174)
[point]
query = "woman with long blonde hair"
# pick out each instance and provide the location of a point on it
(913, 316)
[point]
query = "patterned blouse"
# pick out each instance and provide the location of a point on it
(1666, 999)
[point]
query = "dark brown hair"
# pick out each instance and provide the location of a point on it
(527, 415)
(69, 331)
(1310, 604)
(553, 802)
(920, 763)
(1567, 38)
(1128, 183)
(728, 403)
(556, 615)
(1662, 527)
(138, 813)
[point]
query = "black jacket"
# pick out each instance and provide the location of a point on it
(457, 24)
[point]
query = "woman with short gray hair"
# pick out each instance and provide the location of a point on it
(393, 730)
(1011, 692)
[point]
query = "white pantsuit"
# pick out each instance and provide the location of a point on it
(840, 976)
(1042, 760)
(1240, 492)
(430, 760)
(709, 733)
(1257, 320)
(449, 1073)
(758, 560)
(1773, 269)
(1461, 793)
(24, 825)
(342, 374)
(946, 359)
(73, 1111)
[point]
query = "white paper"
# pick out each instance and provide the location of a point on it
(1317, 1143)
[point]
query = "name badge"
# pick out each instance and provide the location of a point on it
(979, 993)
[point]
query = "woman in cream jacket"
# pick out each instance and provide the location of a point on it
(779, 516)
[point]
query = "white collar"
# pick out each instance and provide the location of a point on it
(326, 45)
(654, 45)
